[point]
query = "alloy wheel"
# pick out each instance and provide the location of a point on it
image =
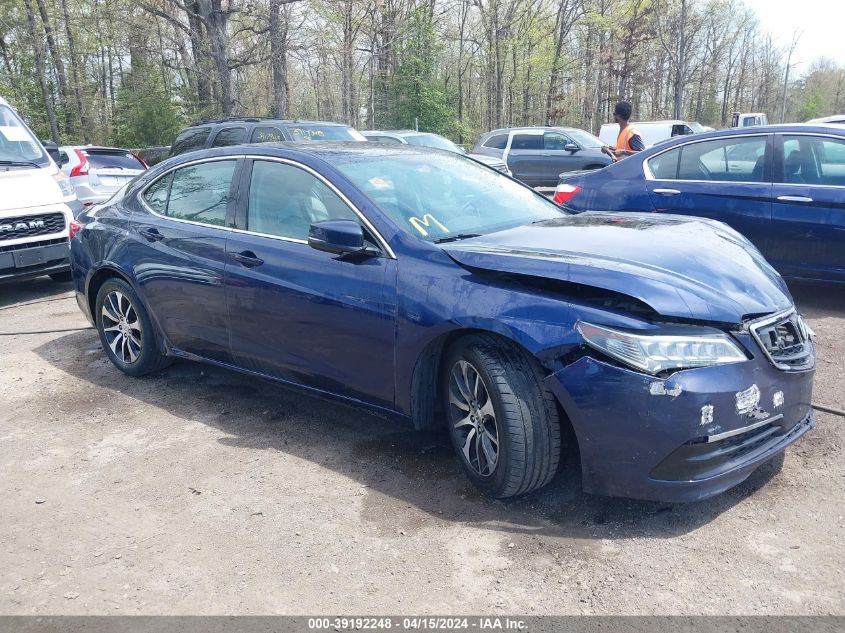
(122, 327)
(473, 418)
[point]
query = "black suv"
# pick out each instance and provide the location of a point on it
(234, 131)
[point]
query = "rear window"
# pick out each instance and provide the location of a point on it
(325, 133)
(99, 159)
(191, 139)
(497, 141)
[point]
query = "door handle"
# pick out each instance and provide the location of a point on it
(667, 192)
(794, 199)
(248, 259)
(151, 235)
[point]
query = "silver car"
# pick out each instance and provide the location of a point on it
(427, 139)
(97, 172)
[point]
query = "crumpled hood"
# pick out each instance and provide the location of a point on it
(23, 189)
(681, 266)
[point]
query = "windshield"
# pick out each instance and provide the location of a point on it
(438, 196)
(696, 127)
(585, 139)
(325, 133)
(16, 141)
(433, 140)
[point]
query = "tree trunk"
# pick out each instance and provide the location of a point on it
(74, 73)
(39, 69)
(58, 63)
(278, 59)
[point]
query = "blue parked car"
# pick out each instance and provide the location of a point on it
(782, 186)
(421, 284)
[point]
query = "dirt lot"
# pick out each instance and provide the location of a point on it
(201, 491)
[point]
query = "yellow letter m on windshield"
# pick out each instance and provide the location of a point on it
(427, 220)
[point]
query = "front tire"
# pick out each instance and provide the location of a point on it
(126, 332)
(503, 423)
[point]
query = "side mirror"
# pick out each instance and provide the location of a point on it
(571, 147)
(340, 237)
(53, 150)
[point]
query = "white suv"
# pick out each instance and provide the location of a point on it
(36, 201)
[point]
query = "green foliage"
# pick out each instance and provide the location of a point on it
(145, 115)
(418, 96)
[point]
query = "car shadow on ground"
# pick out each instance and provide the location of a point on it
(40, 289)
(392, 461)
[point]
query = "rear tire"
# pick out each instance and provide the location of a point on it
(503, 423)
(62, 277)
(126, 332)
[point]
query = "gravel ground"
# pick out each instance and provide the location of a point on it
(201, 491)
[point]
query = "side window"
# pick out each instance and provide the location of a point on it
(724, 160)
(555, 140)
(229, 136)
(284, 200)
(266, 134)
(813, 160)
(527, 141)
(200, 193)
(497, 141)
(191, 139)
(156, 194)
(665, 166)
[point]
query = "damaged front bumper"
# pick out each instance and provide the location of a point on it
(686, 437)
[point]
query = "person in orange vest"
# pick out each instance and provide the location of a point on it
(629, 140)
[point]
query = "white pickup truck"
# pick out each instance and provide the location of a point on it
(37, 205)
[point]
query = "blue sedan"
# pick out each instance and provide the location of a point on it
(781, 186)
(423, 285)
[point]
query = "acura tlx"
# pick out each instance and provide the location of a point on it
(443, 293)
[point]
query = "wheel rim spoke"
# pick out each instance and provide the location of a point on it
(468, 442)
(122, 327)
(473, 423)
(467, 421)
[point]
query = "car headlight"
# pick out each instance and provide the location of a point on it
(655, 353)
(64, 183)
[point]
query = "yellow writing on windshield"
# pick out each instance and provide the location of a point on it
(427, 220)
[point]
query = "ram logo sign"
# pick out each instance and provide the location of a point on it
(21, 226)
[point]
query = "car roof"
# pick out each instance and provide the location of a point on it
(266, 120)
(95, 147)
(519, 128)
(317, 149)
(397, 133)
(780, 128)
(4, 102)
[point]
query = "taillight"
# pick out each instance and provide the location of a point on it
(564, 192)
(82, 168)
(74, 228)
(140, 160)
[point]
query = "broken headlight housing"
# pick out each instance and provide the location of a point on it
(681, 348)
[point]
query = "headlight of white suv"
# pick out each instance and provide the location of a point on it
(655, 353)
(65, 186)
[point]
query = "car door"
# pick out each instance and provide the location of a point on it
(557, 158)
(726, 179)
(808, 207)
(523, 155)
(303, 315)
(179, 250)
